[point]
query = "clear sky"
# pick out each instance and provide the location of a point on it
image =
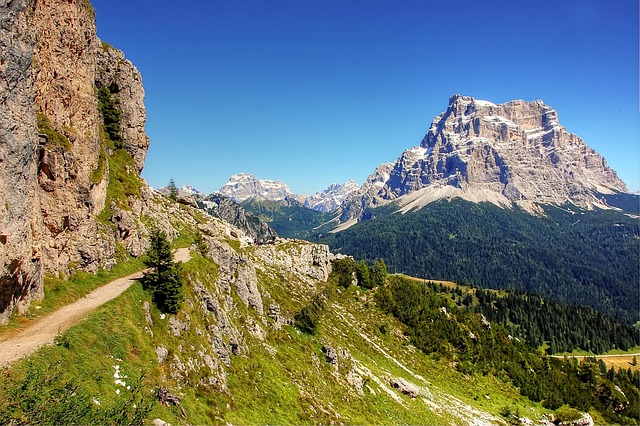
(312, 92)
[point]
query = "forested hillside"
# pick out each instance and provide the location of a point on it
(287, 217)
(539, 321)
(581, 257)
(478, 347)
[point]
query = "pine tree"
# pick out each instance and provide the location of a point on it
(164, 281)
(379, 272)
(173, 190)
(362, 273)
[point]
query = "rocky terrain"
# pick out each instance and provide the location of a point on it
(223, 207)
(331, 198)
(515, 153)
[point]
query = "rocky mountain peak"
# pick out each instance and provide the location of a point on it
(242, 186)
(331, 198)
(511, 153)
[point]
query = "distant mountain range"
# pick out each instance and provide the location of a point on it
(243, 186)
(514, 154)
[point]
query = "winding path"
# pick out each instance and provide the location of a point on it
(44, 331)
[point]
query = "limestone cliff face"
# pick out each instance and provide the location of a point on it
(20, 263)
(517, 149)
(53, 167)
(65, 50)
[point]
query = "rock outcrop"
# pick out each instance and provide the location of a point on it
(309, 262)
(225, 208)
(54, 171)
(512, 153)
(124, 82)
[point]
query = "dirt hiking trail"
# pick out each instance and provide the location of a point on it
(46, 328)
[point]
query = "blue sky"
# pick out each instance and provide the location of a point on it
(312, 92)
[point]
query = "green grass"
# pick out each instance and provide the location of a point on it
(631, 351)
(54, 138)
(580, 352)
(98, 174)
(89, 7)
(79, 370)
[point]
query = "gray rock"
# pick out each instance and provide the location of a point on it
(162, 353)
(485, 322)
(512, 153)
(176, 326)
(404, 386)
(330, 354)
(147, 312)
(356, 381)
(238, 271)
(585, 420)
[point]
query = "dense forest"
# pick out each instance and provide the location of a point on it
(540, 321)
(587, 258)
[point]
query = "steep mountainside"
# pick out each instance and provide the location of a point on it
(288, 217)
(223, 207)
(236, 351)
(226, 209)
(580, 257)
(515, 153)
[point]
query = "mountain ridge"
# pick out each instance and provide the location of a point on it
(511, 154)
(242, 186)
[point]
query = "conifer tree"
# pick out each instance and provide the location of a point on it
(379, 272)
(173, 190)
(362, 274)
(164, 280)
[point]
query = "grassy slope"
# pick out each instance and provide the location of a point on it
(283, 379)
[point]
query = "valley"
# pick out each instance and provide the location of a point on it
(487, 276)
